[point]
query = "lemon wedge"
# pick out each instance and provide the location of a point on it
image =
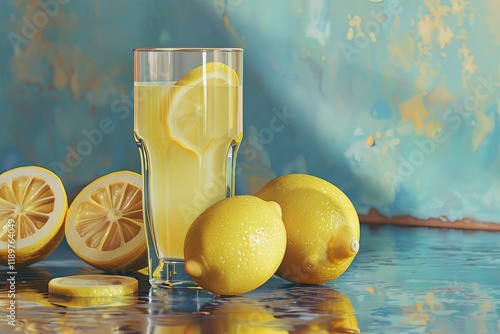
(195, 103)
(33, 205)
(104, 224)
(93, 286)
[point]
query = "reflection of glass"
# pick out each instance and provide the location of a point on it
(188, 127)
(171, 311)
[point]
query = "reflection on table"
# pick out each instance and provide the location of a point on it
(403, 280)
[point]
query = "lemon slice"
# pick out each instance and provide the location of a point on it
(93, 286)
(203, 105)
(104, 224)
(33, 205)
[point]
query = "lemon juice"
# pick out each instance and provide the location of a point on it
(188, 134)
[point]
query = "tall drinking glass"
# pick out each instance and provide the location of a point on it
(188, 125)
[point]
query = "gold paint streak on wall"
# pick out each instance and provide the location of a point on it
(414, 111)
(468, 65)
(72, 70)
(458, 8)
(350, 34)
(399, 56)
(426, 77)
(492, 19)
(445, 37)
(440, 96)
(370, 141)
(484, 126)
(61, 71)
(432, 128)
(424, 28)
(230, 28)
(462, 36)
(354, 25)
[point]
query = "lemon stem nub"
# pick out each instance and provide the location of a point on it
(344, 246)
(193, 268)
(354, 246)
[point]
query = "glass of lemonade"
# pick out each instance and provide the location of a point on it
(188, 125)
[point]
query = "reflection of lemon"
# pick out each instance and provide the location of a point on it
(33, 205)
(196, 102)
(104, 225)
(26, 299)
(235, 245)
(335, 314)
(242, 315)
(174, 325)
(322, 227)
(338, 313)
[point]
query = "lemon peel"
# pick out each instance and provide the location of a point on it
(322, 227)
(235, 245)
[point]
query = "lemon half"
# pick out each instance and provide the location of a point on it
(33, 205)
(105, 226)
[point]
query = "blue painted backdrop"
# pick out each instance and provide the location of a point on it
(394, 101)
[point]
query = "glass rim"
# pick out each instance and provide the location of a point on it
(188, 50)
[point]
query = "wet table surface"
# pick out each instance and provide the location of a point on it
(404, 280)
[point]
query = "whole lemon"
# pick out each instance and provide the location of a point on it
(235, 245)
(322, 227)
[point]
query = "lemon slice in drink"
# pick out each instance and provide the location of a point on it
(104, 225)
(203, 105)
(33, 205)
(93, 285)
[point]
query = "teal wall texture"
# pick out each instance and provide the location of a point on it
(396, 102)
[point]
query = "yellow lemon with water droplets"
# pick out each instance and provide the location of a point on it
(322, 227)
(235, 245)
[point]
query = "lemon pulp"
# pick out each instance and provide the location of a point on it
(104, 225)
(33, 206)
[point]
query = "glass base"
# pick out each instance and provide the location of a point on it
(170, 274)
